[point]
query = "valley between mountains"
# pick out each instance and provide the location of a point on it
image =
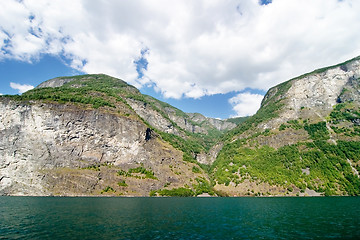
(95, 135)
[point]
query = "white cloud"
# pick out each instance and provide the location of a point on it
(195, 48)
(246, 104)
(21, 87)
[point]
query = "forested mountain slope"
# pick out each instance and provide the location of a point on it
(303, 141)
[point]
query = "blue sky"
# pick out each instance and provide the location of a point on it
(214, 57)
(33, 74)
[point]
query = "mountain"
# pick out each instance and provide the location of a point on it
(97, 135)
(94, 134)
(304, 140)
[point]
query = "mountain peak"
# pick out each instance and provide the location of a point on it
(314, 94)
(84, 80)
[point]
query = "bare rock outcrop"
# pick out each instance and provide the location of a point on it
(63, 149)
(314, 95)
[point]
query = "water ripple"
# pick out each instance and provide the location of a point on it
(179, 218)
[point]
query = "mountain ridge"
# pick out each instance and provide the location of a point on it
(287, 142)
(142, 143)
(97, 135)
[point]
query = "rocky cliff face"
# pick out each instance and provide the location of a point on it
(315, 94)
(51, 148)
(56, 82)
(39, 137)
(160, 115)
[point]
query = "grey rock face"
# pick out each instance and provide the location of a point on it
(210, 157)
(56, 82)
(152, 116)
(315, 94)
(36, 137)
(194, 122)
(351, 91)
(220, 125)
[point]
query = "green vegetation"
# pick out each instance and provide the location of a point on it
(93, 167)
(317, 131)
(122, 183)
(294, 124)
(133, 172)
(329, 171)
(203, 186)
(175, 192)
(347, 131)
(237, 120)
(196, 169)
(62, 95)
(193, 143)
(344, 112)
(96, 90)
(144, 171)
(189, 147)
(282, 127)
(96, 167)
(349, 114)
(108, 189)
(123, 173)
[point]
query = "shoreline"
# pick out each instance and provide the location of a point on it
(107, 196)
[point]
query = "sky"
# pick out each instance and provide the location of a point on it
(216, 57)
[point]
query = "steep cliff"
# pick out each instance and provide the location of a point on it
(304, 140)
(313, 95)
(88, 135)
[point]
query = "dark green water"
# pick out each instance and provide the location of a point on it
(179, 218)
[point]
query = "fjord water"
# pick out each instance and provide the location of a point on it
(179, 218)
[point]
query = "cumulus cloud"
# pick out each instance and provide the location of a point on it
(21, 87)
(246, 104)
(192, 48)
